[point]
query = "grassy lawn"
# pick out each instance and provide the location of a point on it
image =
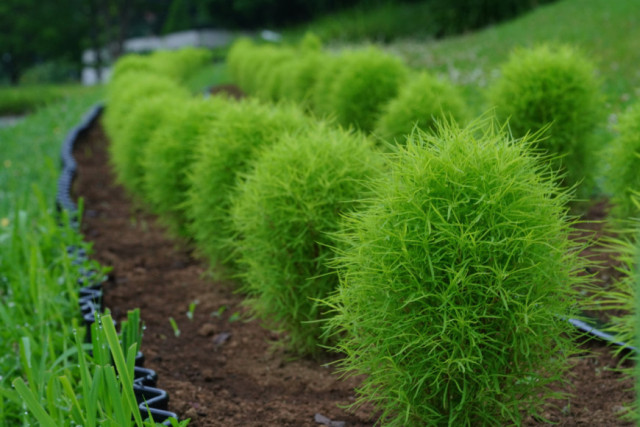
(608, 31)
(27, 98)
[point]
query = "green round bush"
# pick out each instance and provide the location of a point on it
(222, 154)
(456, 283)
(131, 63)
(624, 162)
(169, 155)
(285, 213)
(270, 65)
(553, 86)
(324, 84)
(239, 62)
(130, 89)
(310, 43)
(422, 102)
(145, 117)
(366, 81)
(300, 78)
(182, 63)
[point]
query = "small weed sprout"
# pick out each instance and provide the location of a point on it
(223, 153)
(553, 86)
(623, 180)
(284, 212)
(455, 282)
(174, 326)
(192, 309)
(421, 102)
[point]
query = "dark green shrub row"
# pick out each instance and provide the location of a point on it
(454, 270)
(354, 87)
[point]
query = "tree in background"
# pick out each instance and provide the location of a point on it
(39, 31)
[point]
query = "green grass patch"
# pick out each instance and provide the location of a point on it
(608, 31)
(26, 99)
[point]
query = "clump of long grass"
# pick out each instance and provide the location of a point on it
(285, 211)
(554, 87)
(455, 282)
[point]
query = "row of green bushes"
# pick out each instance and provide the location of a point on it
(442, 271)
(548, 89)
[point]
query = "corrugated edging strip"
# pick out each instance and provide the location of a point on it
(153, 402)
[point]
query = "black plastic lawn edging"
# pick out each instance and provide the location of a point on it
(152, 402)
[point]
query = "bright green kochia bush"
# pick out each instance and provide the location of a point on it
(168, 157)
(132, 63)
(557, 86)
(180, 64)
(366, 80)
(323, 86)
(422, 102)
(223, 152)
(456, 281)
(127, 148)
(285, 213)
(302, 76)
(123, 94)
(175, 64)
(624, 162)
(239, 61)
(270, 70)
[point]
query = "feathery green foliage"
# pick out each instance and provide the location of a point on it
(271, 66)
(366, 81)
(146, 116)
(455, 283)
(222, 153)
(285, 212)
(623, 180)
(301, 77)
(180, 64)
(169, 155)
(553, 85)
(132, 63)
(123, 94)
(422, 102)
(237, 60)
(324, 84)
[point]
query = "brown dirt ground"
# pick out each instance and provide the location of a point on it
(221, 371)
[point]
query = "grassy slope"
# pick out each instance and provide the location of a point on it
(607, 30)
